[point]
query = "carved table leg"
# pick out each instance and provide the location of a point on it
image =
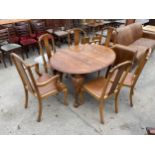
(77, 83)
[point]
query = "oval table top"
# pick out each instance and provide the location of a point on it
(82, 59)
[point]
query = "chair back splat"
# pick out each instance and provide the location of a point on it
(46, 42)
(77, 32)
(119, 73)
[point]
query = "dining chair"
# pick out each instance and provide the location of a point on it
(42, 87)
(78, 33)
(13, 38)
(26, 38)
(6, 47)
(39, 28)
(132, 77)
(102, 88)
(46, 50)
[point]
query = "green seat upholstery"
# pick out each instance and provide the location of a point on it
(9, 47)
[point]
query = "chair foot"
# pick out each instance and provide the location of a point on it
(116, 103)
(131, 94)
(101, 111)
(39, 110)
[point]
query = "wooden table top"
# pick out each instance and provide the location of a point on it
(149, 28)
(82, 59)
(11, 21)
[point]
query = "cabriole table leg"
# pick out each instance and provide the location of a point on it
(77, 83)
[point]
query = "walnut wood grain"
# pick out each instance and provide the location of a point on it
(80, 60)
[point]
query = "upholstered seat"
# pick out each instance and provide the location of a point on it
(14, 39)
(135, 38)
(28, 42)
(146, 42)
(9, 47)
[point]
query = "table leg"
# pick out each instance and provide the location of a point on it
(77, 83)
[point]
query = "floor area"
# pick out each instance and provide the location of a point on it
(60, 119)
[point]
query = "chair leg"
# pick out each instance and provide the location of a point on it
(131, 94)
(39, 109)
(81, 96)
(65, 96)
(116, 103)
(101, 111)
(3, 59)
(9, 56)
(26, 98)
(98, 74)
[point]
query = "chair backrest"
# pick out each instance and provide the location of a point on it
(11, 29)
(22, 23)
(77, 35)
(141, 64)
(39, 27)
(97, 39)
(123, 53)
(130, 21)
(23, 30)
(119, 74)
(25, 73)
(4, 35)
(109, 35)
(46, 41)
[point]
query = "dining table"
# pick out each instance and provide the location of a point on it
(80, 60)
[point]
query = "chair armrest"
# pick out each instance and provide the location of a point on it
(123, 47)
(53, 78)
(36, 66)
(150, 35)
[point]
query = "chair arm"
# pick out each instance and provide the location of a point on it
(36, 66)
(123, 47)
(53, 78)
(150, 35)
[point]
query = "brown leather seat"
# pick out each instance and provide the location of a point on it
(135, 38)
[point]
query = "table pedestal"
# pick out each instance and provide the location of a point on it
(78, 81)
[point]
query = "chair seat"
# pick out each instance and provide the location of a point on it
(95, 87)
(25, 42)
(49, 88)
(10, 47)
(3, 43)
(14, 39)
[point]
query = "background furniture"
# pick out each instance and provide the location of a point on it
(134, 38)
(26, 39)
(2, 59)
(42, 87)
(6, 47)
(80, 60)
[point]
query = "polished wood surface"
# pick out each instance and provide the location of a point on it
(82, 59)
(11, 21)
